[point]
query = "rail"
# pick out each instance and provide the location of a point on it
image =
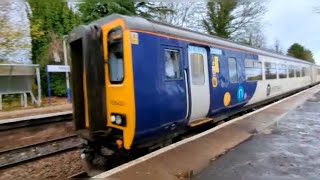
(15, 156)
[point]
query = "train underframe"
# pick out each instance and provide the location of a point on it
(100, 152)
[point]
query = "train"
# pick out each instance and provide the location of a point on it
(138, 83)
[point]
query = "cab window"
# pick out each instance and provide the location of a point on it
(115, 56)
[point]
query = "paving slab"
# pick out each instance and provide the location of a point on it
(190, 156)
(290, 150)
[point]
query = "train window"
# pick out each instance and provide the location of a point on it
(197, 69)
(291, 71)
(298, 71)
(270, 70)
(253, 70)
(282, 70)
(115, 56)
(172, 64)
(318, 71)
(303, 72)
(233, 74)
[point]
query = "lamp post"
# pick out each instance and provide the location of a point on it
(66, 63)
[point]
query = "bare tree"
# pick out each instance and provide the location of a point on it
(183, 14)
(252, 35)
(277, 47)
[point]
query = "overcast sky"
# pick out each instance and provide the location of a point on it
(294, 21)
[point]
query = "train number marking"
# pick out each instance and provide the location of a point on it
(117, 103)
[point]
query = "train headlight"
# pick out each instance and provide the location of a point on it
(118, 120)
(113, 118)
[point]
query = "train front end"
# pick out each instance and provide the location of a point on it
(103, 93)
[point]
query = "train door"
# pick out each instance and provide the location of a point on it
(199, 83)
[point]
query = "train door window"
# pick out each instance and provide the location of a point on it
(291, 72)
(253, 70)
(298, 71)
(270, 70)
(282, 70)
(197, 69)
(172, 64)
(233, 74)
(115, 56)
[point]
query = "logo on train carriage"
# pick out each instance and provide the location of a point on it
(268, 90)
(226, 99)
(240, 94)
(134, 38)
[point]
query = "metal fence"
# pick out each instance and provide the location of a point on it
(19, 79)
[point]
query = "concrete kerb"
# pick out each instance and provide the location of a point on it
(26, 118)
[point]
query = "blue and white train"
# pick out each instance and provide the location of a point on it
(139, 83)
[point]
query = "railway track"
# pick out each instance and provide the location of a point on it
(15, 156)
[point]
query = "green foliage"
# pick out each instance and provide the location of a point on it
(220, 17)
(232, 19)
(298, 51)
(50, 20)
(92, 9)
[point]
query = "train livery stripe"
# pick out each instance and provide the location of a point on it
(85, 99)
(120, 97)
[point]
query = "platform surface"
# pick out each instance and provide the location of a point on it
(290, 150)
(34, 113)
(189, 157)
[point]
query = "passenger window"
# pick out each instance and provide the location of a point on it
(270, 70)
(303, 72)
(253, 70)
(197, 69)
(282, 70)
(298, 71)
(172, 64)
(115, 56)
(291, 72)
(233, 75)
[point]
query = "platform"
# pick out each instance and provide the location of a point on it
(37, 116)
(4, 115)
(289, 151)
(197, 155)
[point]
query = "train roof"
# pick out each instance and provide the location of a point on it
(138, 23)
